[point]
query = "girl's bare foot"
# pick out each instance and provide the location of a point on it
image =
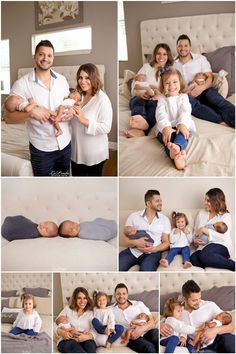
(164, 262)
(138, 122)
(174, 150)
(180, 160)
(187, 264)
(134, 133)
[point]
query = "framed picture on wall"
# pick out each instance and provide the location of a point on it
(52, 14)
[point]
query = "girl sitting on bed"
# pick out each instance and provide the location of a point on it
(27, 320)
(143, 106)
(173, 116)
(104, 319)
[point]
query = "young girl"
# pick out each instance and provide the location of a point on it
(173, 116)
(173, 314)
(27, 320)
(180, 239)
(104, 320)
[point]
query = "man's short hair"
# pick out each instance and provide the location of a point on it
(150, 193)
(44, 43)
(121, 286)
(190, 287)
(183, 37)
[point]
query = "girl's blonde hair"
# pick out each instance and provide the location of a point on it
(97, 295)
(176, 215)
(170, 306)
(25, 297)
(166, 74)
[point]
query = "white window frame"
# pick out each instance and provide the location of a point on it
(122, 38)
(5, 69)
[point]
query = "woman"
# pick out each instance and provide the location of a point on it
(216, 253)
(91, 124)
(79, 315)
(143, 108)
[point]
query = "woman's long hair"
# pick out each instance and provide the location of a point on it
(73, 301)
(217, 199)
(93, 75)
(170, 59)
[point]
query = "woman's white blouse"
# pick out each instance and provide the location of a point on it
(90, 145)
(81, 323)
(223, 239)
(150, 73)
(32, 321)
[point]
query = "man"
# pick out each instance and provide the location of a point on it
(141, 251)
(206, 102)
(196, 312)
(144, 339)
(50, 154)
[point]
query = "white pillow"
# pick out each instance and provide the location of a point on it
(10, 309)
(125, 89)
(223, 90)
(12, 300)
(43, 305)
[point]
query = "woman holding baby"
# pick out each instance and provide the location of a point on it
(90, 125)
(216, 252)
(143, 104)
(80, 339)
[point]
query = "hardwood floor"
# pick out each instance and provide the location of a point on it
(110, 166)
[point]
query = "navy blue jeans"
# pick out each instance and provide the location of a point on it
(50, 163)
(223, 343)
(80, 170)
(100, 328)
(71, 346)
(146, 108)
(149, 343)
(177, 139)
(17, 330)
(211, 106)
(213, 255)
(172, 342)
(185, 251)
(147, 262)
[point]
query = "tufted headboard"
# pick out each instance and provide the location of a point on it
(207, 32)
(136, 282)
(44, 199)
(68, 71)
(18, 281)
(170, 282)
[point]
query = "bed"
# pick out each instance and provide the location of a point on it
(13, 286)
(215, 287)
(143, 287)
(211, 150)
(14, 141)
(74, 199)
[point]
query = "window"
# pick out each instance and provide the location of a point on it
(72, 41)
(5, 66)
(122, 42)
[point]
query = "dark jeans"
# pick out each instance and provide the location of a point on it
(51, 163)
(147, 262)
(146, 108)
(84, 170)
(185, 251)
(100, 328)
(177, 139)
(71, 346)
(213, 255)
(17, 330)
(149, 343)
(172, 342)
(211, 106)
(223, 343)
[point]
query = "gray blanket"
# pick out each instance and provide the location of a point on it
(99, 229)
(22, 343)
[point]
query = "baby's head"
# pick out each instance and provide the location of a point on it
(69, 228)
(220, 227)
(143, 316)
(180, 220)
(47, 229)
(200, 78)
(76, 96)
(173, 308)
(12, 103)
(224, 317)
(140, 77)
(62, 320)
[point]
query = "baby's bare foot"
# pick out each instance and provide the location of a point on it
(180, 160)
(174, 149)
(134, 133)
(164, 262)
(108, 345)
(138, 122)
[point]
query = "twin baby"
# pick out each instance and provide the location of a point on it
(18, 103)
(19, 227)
